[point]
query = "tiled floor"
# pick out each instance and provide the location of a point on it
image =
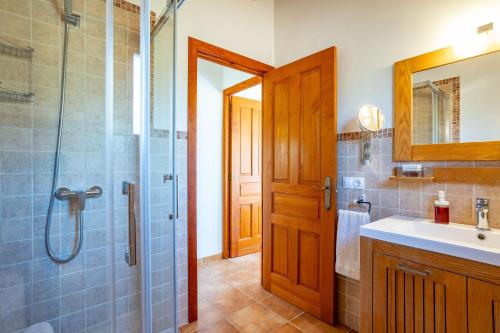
(231, 300)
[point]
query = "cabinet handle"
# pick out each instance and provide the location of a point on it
(413, 271)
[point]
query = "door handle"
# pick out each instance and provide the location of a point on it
(328, 192)
(128, 188)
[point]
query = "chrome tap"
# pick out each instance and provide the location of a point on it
(482, 208)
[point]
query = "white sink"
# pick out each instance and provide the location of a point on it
(453, 239)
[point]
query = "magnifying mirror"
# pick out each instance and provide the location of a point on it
(371, 120)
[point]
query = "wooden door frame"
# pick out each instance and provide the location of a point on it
(226, 159)
(201, 50)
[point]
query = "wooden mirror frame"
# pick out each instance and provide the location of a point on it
(404, 150)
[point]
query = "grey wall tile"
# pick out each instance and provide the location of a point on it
(72, 282)
(15, 298)
(74, 302)
(46, 289)
(15, 229)
(15, 252)
(15, 162)
(15, 138)
(73, 323)
(46, 310)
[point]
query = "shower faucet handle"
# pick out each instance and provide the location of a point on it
(64, 193)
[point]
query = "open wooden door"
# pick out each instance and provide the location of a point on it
(299, 159)
(246, 177)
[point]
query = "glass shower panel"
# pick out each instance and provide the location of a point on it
(37, 288)
(70, 151)
(127, 225)
(162, 176)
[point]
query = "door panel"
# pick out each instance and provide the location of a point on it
(483, 306)
(413, 298)
(299, 152)
(246, 183)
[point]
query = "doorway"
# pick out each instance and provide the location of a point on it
(242, 169)
(299, 170)
(229, 155)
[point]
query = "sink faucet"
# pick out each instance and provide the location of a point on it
(482, 208)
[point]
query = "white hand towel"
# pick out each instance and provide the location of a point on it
(347, 258)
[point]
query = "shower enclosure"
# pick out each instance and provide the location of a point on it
(87, 170)
(431, 114)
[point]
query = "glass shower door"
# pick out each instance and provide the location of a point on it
(77, 275)
(161, 172)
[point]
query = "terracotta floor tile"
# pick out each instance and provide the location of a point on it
(254, 290)
(221, 326)
(284, 309)
(230, 293)
(255, 318)
(231, 300)
(287, 328)
(309, 324)
(208, 313)
(188, 328)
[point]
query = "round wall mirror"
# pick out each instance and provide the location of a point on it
(371, 118)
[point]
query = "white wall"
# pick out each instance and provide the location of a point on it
(254, 92)
(479, 95)
(209, 153)
(242, 26)
(370, 36)
(212, 80)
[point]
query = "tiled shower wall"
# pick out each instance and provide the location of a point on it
(73, 297)
(390, 197)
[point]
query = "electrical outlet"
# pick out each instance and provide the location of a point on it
(356, 183)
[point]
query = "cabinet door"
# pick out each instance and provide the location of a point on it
(483, 306)
(409, 297)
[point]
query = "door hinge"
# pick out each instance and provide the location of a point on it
(229, 176)
(229, 247)
(231, 106)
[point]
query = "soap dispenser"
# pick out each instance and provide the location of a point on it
(441, 209)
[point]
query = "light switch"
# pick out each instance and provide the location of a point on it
(357, 183)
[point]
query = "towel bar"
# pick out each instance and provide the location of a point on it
(361, 201)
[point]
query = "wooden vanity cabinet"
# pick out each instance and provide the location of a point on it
(404, 289)
(483, 306)
(415, 298)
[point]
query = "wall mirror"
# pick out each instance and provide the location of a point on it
(447, 107)
(371, 120)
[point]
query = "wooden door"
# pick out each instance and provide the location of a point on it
(409, 297)
(299, 153)
(246, 176)
(483, 306)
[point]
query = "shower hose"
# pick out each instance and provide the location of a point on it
(79, 219)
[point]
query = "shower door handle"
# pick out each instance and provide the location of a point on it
(176, 196)
(129, 190)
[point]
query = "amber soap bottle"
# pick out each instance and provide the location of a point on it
(441, 209)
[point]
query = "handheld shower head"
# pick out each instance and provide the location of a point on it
(68, 7)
